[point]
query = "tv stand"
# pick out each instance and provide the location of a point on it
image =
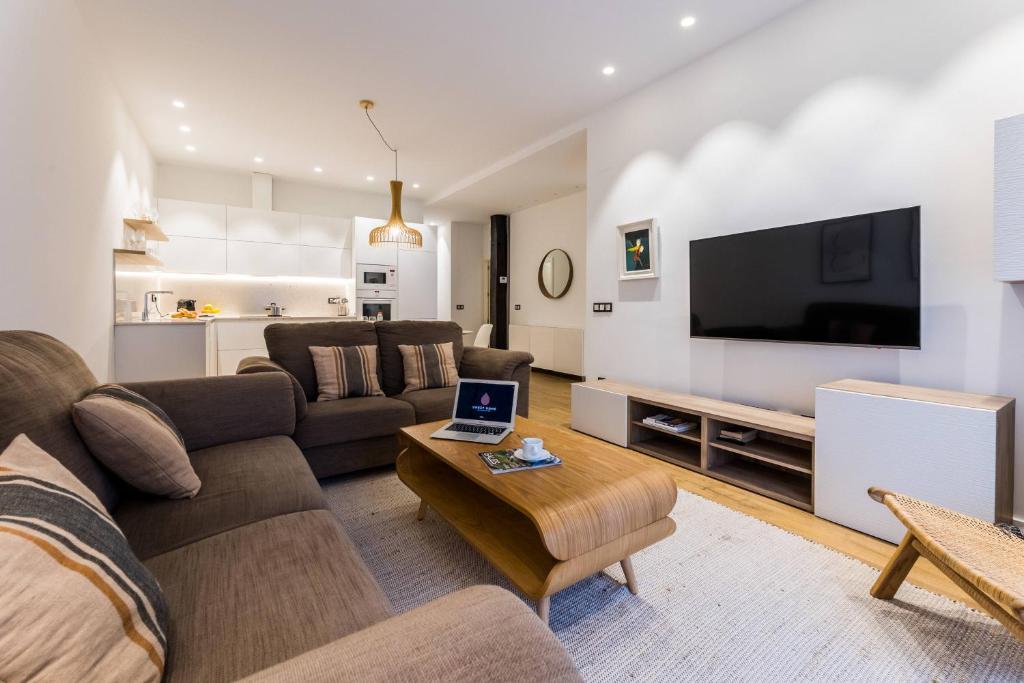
(778, 464)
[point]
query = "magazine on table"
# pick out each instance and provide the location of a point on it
(501, 462)
(669, 423)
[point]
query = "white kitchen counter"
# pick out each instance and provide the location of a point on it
(234, 318)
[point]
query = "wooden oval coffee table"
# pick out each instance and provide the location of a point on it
(544, 529)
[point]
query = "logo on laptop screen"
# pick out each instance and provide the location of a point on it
(485, 400)
(484, 405)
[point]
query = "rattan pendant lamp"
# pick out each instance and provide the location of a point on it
(395, 231)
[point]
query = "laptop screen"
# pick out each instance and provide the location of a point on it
(485, 401)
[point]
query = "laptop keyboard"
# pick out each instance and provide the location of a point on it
(474, 429)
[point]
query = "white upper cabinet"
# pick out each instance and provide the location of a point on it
(193, 255)
(325, 231)
(386, 255)
(256, 225)
(192, 219)
(261, 258)
(321, 261)
(417, 284)
(429, 233)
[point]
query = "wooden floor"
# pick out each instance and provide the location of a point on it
(549, 403)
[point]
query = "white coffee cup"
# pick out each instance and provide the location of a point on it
(533, 448)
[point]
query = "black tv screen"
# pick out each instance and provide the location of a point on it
(853, 280)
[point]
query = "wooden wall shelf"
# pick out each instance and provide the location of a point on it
(131, 257)
(778, 464)
(153, 231)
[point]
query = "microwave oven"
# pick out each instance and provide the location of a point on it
(371, 276)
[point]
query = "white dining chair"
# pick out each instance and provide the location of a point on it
(483, 335)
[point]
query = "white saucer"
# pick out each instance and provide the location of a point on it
(544, 455)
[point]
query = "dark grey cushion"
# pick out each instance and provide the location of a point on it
(288, 345)
(415, 332)
(243, 482)
(352, 419)
(40, 379)
(431, 404)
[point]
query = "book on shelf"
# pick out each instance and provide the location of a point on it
(738, 434)
(500, 462)
(669, 423)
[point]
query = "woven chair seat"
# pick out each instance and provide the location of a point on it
(983, 554)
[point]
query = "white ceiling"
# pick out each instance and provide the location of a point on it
(459, 84)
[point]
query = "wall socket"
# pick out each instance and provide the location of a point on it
(460, 307)
(603, 307)
(518, 307)
(334, 300)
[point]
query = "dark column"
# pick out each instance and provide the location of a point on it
(499, 281)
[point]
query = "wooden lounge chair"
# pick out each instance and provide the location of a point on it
(985, 561)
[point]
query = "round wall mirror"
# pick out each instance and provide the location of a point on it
(555, 274)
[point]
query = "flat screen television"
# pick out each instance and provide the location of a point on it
(852, 281)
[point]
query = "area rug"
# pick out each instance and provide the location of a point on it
(726, 598)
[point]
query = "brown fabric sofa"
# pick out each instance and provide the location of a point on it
(260, 577)
(356, 433)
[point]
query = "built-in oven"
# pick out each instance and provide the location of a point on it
(372, 276)
(376, 304)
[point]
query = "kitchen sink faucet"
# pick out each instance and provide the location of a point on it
(147, 295)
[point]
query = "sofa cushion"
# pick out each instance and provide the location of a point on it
(428, 366)
(257, 595)
(40, 378)
(391, 334)
(288, 345)
(352, 419)
(136, 440)
(243, 482)
(76, 603)
(344, 371)
(431, 404)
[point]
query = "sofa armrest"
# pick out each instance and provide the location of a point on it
(464, 636)
(254, 364)
(486, 363)
(209, 411)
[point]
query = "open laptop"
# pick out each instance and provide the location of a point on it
(484, 412)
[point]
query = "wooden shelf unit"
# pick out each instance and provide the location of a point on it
(153, 231)
(131, 257)
(778, 464)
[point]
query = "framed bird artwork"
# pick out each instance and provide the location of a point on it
(638, 250)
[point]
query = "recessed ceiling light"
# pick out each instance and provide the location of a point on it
(185, 128)
(687, 22)
(317, 169)
(415, 186)
(258, 160)
(369, 177)
(190, 148)
(178, 104)
(608, 70)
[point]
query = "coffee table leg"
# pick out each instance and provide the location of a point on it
(422, 511)
(627, 569)
(543, 607)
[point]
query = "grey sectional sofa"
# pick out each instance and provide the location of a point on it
(260, 577)
(356, 433)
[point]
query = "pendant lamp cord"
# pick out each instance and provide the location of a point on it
(393, 149)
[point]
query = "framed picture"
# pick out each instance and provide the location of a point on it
(638, 250)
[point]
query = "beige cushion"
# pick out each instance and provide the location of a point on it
(429, 366)
(136, 441)
(343, 371)
(74, 602)
(249, 598)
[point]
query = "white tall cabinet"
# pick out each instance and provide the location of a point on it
(553, 348)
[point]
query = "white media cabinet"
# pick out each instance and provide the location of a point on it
(949, 448)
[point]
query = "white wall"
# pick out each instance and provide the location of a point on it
(72, 165)
(469, 253)
(533, 232)
(216, 186)
(835, 109)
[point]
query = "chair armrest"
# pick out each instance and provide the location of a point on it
(209, 411)
(254, 364)
(482, 633)
(486, 363)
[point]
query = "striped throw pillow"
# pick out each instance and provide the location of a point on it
(136, 440)
(429, 366)
(343, 371)
(75, 603)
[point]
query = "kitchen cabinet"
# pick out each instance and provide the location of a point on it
(257, 225)
(260, 258)
(553, 348)
(324, 262)
(239, 338)
(193, 255)
(192, 219)
(325, 231)
(386, 255)
(417, 284)
(162, 350)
